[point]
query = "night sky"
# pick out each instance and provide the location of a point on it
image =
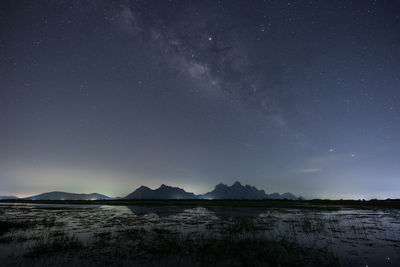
(104, 96)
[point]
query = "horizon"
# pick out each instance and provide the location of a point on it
(354, 196)
(293, 96)
(344, 197)
(151, 187)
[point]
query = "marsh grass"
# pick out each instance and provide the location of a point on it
(55, 243)
(198, 236)
(7, 226)
(237, 247)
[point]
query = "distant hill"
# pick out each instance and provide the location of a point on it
(289, 196)
(8, 197)
(235, 191)
(163, 192)
(221, 191)
(56, 195)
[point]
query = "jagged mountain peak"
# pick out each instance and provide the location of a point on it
(235, 191)
(163, 192)
(221, 185)
(221, 191)
(237, 183)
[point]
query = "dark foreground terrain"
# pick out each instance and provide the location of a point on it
(200, 232)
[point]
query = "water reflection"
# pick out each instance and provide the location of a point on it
(234, 213)
(160, 211)
(220, 212)
(359, 235)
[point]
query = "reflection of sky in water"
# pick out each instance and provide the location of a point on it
(356, 236)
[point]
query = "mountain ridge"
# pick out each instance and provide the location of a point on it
(59, 195)
(220, 191)
(163, 192)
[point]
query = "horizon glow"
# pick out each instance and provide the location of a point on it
(100, 96)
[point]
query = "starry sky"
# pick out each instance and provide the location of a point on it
(104, 96)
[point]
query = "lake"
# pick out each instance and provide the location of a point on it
(88, 235)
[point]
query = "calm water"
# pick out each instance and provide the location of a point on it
(356, 237)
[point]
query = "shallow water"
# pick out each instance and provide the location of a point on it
(356, 237)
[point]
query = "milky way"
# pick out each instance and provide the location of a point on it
(104, 96)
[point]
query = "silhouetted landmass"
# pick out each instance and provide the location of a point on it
(235, 191)
(283, 196)
(163, 192)
(221, 191)
(239, 191)
(56, 195)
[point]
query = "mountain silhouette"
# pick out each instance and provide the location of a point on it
(235, 191)
(163, 192)
(289, 196)
(221, 191)
(56, 195)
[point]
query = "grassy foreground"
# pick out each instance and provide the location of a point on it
(237, 244)
(200, 233)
